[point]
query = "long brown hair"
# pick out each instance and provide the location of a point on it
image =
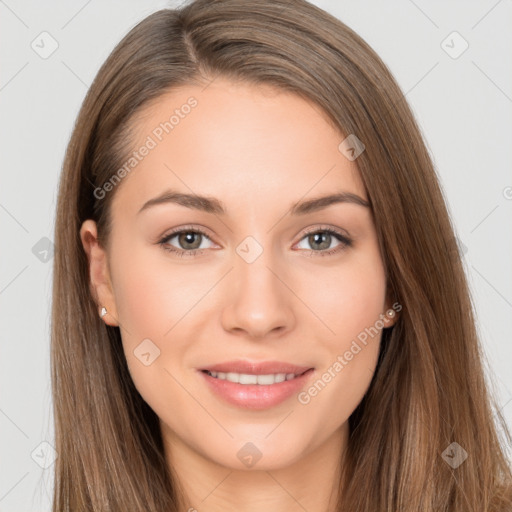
(429, 389)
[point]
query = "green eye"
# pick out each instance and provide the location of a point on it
(322, 239)
(185, 237)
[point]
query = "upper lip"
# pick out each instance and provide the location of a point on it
(256, 368)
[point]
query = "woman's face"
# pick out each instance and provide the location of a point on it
(267, 281)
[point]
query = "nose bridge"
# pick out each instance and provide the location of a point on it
(252, 270)
(260, 302)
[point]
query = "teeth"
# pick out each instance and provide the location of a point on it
(245, 378)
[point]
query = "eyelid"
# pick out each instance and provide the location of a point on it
(324, 227)
(190, 227)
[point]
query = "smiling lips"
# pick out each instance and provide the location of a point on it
(255, 385)
(255, 368)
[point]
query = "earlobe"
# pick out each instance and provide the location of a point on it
(391, 313)
(390, 317)
(99, 276)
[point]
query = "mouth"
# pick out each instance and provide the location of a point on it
(255, 386)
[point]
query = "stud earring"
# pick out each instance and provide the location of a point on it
(103, 312)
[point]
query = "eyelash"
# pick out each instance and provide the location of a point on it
(345, 242)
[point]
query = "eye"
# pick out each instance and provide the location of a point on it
(190, 241)
(320, 241)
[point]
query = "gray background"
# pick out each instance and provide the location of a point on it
(463, 106)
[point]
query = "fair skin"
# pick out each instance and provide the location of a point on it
(258, 151)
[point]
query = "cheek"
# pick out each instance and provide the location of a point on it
(152, 295)
(346, 298)
(152, 298)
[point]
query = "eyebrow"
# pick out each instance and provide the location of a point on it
(210, 204)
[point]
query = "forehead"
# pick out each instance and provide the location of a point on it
(228, 140)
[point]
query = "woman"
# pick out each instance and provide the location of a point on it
(223, 360)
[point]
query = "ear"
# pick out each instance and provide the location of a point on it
(391, 313)
(100, 283)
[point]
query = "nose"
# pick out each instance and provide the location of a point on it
(259, 303)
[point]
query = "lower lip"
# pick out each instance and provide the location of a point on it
(256, 396)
